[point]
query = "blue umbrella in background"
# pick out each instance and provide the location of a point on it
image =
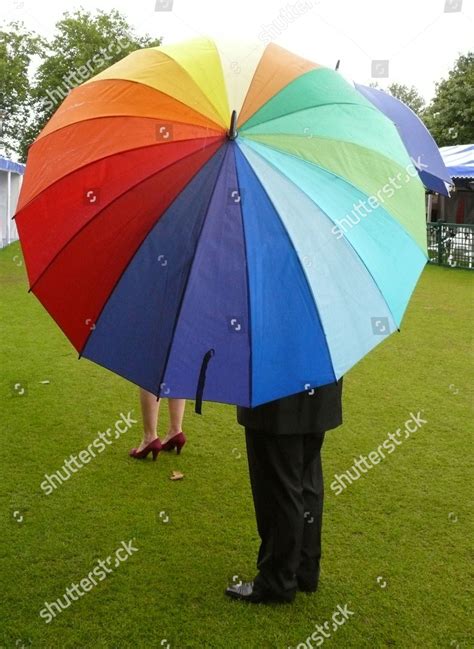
(417, 139)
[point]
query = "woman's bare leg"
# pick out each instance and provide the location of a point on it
(150, 407)
(176, 410)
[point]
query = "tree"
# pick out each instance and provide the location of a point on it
(17, 49)
(450, 116)
(83, 45)
(409, 95)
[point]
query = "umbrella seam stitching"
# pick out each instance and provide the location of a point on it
(300, 265)
(183, 296)
(102, 210)
(345, 238)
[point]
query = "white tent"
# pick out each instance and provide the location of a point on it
(11, 175)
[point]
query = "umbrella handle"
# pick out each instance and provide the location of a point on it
(232, 132)
(202, 379)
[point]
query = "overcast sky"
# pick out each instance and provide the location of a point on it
(420, 39)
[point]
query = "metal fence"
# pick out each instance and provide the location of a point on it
(451, 244)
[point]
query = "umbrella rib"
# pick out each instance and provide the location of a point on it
(301, 110)
(345, 238)
(345, 180)
(110, 155)
(253, 138)
(243, 102)
(247, 94)
(249, 310)
(130, 261)
(290, 241)
(170, 58)
(100, 212)
(195, 82)
(191, 265)
(219, 127)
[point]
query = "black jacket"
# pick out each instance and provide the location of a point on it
(300, 413)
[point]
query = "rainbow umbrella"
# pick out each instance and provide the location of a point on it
(234, 225)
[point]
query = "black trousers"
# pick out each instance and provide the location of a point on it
(288, 490)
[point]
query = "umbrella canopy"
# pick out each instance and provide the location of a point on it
(416, 137)
(237, 225)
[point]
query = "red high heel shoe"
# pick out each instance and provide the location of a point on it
(177, 442)
(153, 447)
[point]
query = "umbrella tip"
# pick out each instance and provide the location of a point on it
(338, 64)
(232, 132)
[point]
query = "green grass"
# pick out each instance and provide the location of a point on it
(406, 522)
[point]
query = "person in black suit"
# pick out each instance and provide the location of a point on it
(284, 439)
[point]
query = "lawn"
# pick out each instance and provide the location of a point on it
(396, 542)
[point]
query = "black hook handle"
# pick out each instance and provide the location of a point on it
(232, 132)
(202, 380)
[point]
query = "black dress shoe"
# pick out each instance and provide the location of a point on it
(248, 593)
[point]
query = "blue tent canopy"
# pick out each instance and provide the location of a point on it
(8, 165)
(459, 160)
